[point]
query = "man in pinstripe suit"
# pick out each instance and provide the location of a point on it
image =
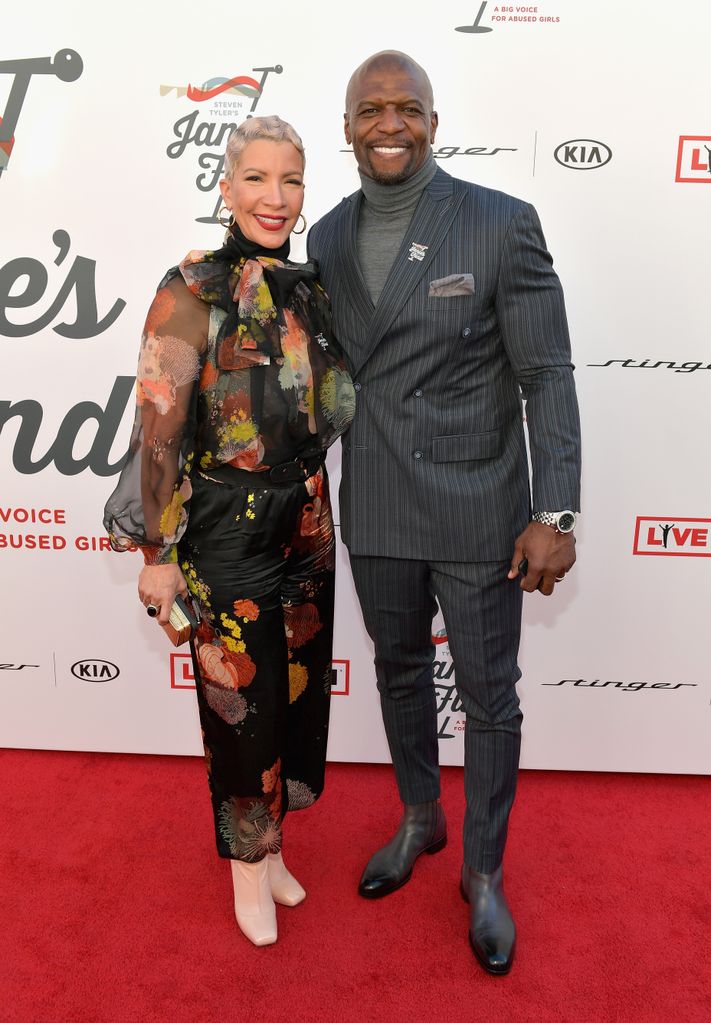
(446, 303)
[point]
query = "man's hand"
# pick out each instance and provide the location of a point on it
(549, 554)
(158, 585)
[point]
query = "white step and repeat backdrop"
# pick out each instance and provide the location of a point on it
(113, 122)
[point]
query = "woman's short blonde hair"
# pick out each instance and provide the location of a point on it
(271, 129)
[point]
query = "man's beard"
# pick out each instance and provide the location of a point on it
(396, 178)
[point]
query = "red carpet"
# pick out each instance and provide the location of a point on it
(114, 906)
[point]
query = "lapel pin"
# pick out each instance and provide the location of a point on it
(417, 252)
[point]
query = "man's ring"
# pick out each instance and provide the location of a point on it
(559, 578)
(152, 610)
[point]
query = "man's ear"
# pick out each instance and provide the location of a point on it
(347, 128)
(434, 124)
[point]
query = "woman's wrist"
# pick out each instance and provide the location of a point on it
(154, 555)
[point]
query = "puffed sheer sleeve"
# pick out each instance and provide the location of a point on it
(149, 507)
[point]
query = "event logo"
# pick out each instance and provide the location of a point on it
(16, 667)
(623, 687)
(66, 65)
(693, 159)
(678, 367)
(93, 670)
(583, 154)
(509, 14)
(223, 104)
(676, 537)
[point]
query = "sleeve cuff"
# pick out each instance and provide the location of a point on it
(160, 555)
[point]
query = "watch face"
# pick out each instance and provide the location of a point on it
(566, 522)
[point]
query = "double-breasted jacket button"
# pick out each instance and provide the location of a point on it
(417, 454)
(467, 332)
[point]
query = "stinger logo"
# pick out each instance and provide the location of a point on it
(693, 159)
(66, 65)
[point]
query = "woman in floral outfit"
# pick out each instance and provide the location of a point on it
(240, 390)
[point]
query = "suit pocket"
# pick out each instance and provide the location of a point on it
(453, 313)
(465, 447)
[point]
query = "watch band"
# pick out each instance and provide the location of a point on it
(546, 518)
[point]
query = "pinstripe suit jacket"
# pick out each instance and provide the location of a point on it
(435, 464)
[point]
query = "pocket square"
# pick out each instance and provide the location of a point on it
(455, 284)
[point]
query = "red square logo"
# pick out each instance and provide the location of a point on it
(693, 161)
(668, 535)
(342, 680)
(181, 672)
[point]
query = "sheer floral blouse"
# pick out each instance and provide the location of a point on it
(240, 369)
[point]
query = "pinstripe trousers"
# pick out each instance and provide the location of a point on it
(482, 615)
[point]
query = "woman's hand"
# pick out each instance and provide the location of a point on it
(158, 585)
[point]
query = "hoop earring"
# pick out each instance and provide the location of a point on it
(304, 227)
(226, 224)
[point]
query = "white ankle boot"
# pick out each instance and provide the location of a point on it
(286, 890)
(254, 905)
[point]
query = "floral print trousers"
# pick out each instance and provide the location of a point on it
(259, 557)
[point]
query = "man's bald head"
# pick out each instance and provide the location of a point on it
(389, 119)
(386, 60)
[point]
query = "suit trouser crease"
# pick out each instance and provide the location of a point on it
(482, 613)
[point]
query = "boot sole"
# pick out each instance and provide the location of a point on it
(380, 893)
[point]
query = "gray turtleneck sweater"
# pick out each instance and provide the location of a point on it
(385, 214)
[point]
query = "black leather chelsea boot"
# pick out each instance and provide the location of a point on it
(492, 932)
(423, 829)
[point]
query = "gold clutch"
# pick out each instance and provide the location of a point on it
(183, 621)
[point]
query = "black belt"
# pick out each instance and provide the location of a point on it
(297, 469)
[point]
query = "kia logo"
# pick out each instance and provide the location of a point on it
(92, 670)
(583, 154)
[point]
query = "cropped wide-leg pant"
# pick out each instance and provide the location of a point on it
(259, 557)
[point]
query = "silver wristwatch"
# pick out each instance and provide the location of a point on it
(563, 521)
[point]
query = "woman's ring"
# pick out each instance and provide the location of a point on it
(152, 610)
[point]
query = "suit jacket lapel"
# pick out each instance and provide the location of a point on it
(351, 274)
(427, 231)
